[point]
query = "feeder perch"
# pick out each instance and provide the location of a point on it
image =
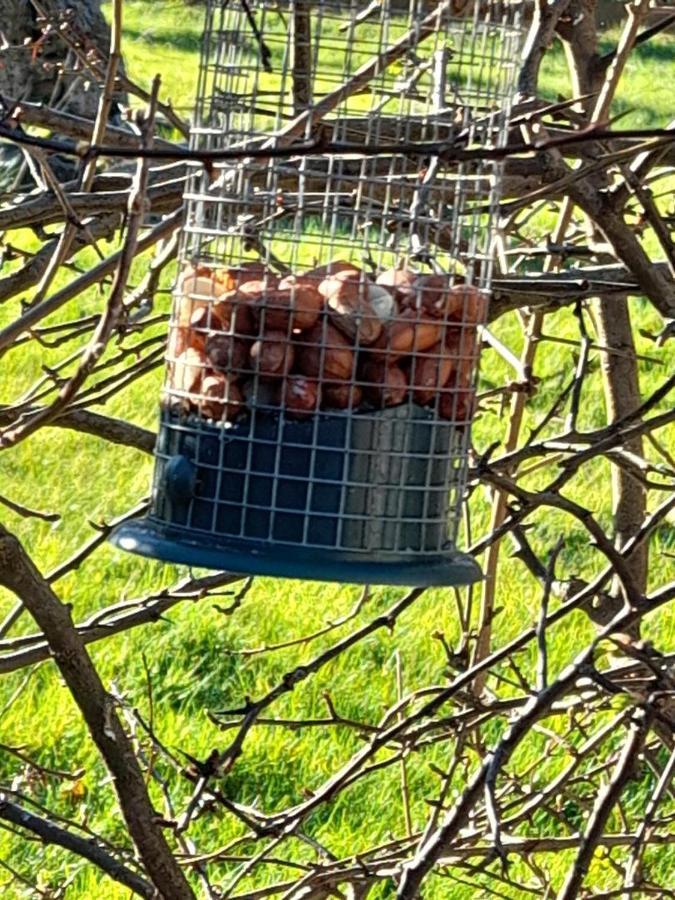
(333, 278)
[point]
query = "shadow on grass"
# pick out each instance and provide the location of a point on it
(638, 114)
(186, 41)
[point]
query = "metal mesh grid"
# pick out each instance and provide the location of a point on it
(324, 337)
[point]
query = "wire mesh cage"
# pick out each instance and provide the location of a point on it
(321, 366)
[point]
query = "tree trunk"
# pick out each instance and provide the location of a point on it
(622, 397)
(49, 69)
(30, 63)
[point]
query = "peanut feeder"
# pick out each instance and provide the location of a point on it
(334, 275)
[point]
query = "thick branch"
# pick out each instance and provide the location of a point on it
(607, 800)
(49, 833)
(18, 574)
(116, 619)
(78, 127)
(542, 31)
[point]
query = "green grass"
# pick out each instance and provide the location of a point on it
(168, 40)
(164, 38)
(192, 654)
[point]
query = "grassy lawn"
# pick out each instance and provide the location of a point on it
(194, 656)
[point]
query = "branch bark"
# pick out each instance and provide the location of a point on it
(19, 574)
(49, 833)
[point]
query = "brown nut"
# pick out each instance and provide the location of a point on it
(227, 353)
(236, 309)
(294, 306)
(467, 406)
(207, 318)
(306, 301)
(235, 312)
(187, 371)
(467, 304)
(324, 353)
(256, 288)
(398, 282)
(179, 340)
(461, 344)
(273, 311)
(238, 276)
(383, 385)
(187, 307)
(341, 396)
(201, 270)
(252, 291)
(221, 398)
(457, 401)
(408, 333)
(429, 373)
(204, 321)
(351, 312)
(202, 281)
(350, 276)
(197, 288)
(300, 396)
(330, 270)
(272, 355)
(457, 406)
(432, 294)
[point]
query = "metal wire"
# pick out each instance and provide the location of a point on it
(350, 443)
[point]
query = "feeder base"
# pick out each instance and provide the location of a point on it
(154, 540)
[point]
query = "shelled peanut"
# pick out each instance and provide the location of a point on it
(331, 338)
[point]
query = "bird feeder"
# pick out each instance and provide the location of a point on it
(334, 275)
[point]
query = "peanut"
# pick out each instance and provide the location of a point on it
(399, 283)
(383, 385)
(179, 340)
(408, 333)
(188, 371)
(341, 396)
(228, 354)
(458, 406)
(351, 312)
(433, 291)
(462, 346)
(204, 320)
(291, 305)
(324, 353)
(221, 397)
(306, 302)
(467, 304)
(330, 270)
(272, 355)
(300, 396)
(235, 312)
(429, 373)
(331, 282)
(196, 291)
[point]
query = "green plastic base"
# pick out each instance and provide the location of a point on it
(155, 540)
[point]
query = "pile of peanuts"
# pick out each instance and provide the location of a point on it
(331, 338)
